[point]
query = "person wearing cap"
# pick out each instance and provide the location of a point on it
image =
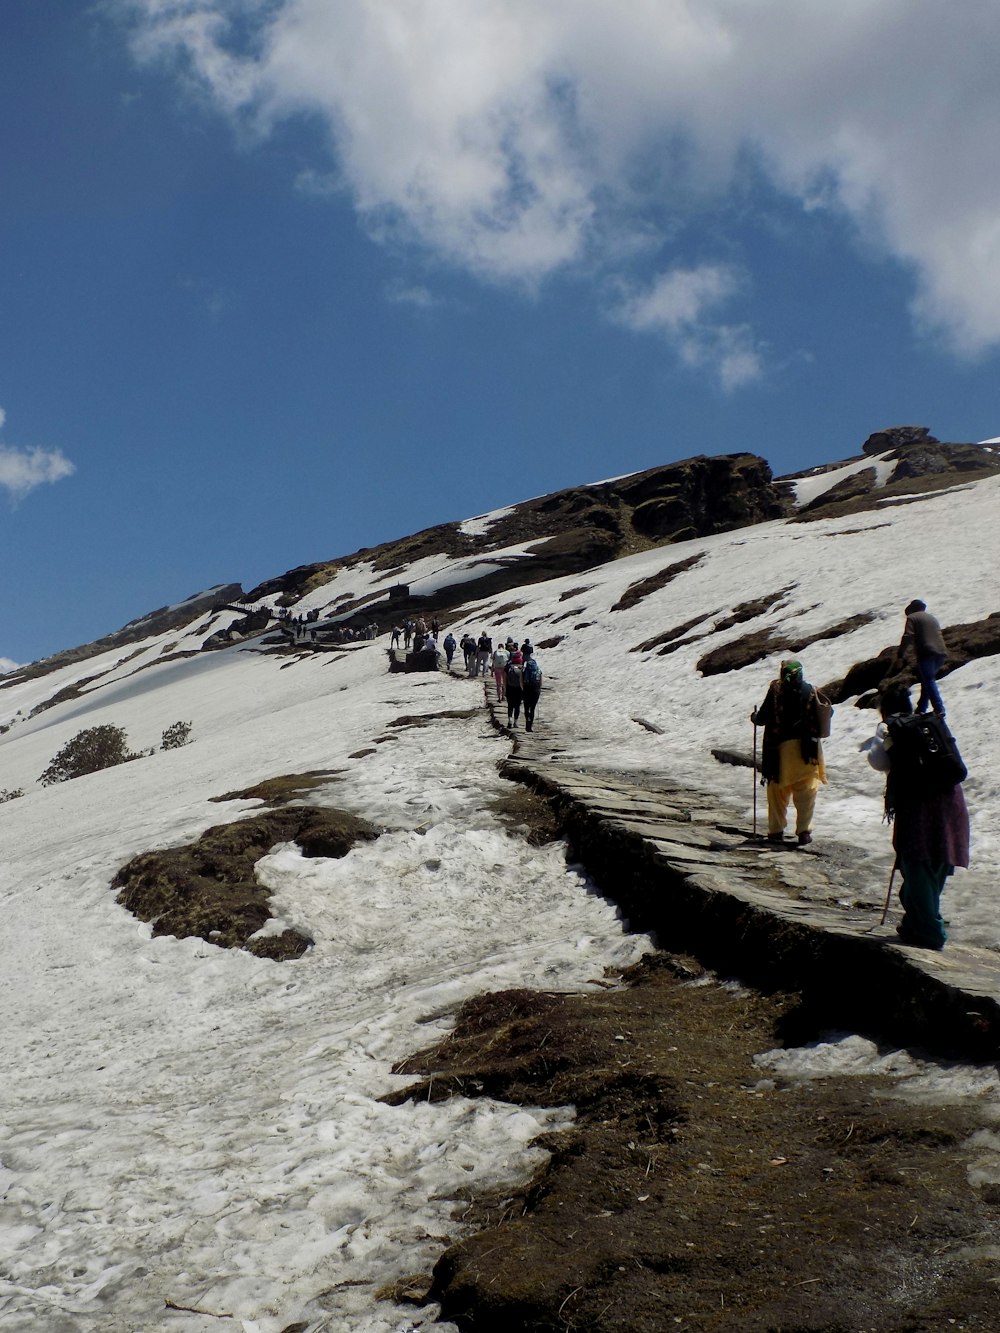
(792, 765)
(923, 634)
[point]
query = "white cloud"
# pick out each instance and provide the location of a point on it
(679, 299)
(681, 305)
(21, 470)
(515, 137)
(7, 665)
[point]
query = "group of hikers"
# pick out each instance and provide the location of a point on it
(515, 668)
(305, 627)
(924, 797)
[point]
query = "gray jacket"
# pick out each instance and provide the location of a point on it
(923, 634)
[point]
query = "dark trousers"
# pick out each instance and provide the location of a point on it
(530, 700)
(927, 670)
(920, 895)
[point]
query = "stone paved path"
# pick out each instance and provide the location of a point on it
(680, 865)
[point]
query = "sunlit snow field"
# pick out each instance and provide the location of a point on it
(187, 1124)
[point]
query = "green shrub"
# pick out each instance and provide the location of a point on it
(88, 751)
(176, 735)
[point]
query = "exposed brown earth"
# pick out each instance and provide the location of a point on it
(694, 1192)
(208, 889)
(635, 592)
(762, 643)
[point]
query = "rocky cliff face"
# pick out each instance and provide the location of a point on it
(574, 530)
(911, 462)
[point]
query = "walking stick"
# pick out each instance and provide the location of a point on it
(755, 780)
(888, 896)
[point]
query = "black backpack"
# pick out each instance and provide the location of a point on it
(924, 759)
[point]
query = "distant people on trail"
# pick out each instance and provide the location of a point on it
(526, 647)
(926, 804)
(791, 754)
(435, 627)
(514, 688)
(394, 636)
(407, 634)
(922, 634)
(531, 684)
(468, 646)
(484, 649)
(419, 638)
(449, 645)
(498, 662)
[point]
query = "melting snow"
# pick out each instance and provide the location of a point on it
(197, 1125)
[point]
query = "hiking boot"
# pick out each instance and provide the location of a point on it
(804, 838)
(776, 837)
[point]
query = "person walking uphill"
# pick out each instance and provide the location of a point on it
(926, 804)
(531, 684)
(791, 755)
(499, 664)
(923, 634)
(514, 691)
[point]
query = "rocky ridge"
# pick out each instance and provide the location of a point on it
(580, 528)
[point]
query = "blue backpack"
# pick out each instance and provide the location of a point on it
(532, 673)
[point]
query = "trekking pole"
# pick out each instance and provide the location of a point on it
(888, 896)
(755, 780)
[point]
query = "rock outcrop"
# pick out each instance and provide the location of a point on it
(920, 464)
(569, 531)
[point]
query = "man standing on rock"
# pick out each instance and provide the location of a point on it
(923, 635)
(791, 755)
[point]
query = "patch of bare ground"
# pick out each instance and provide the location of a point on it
(423, 719)
(678, 637)
(691, 1192)
(527, 813)
(281, 790)
(669, 635)
(635, 592)
(207, 888)
(758, 606)
(553, 642)
(576, 592)
(761, 643)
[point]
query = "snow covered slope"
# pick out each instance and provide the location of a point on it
(195, 1125)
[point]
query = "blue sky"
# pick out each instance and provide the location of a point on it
(284, 278)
